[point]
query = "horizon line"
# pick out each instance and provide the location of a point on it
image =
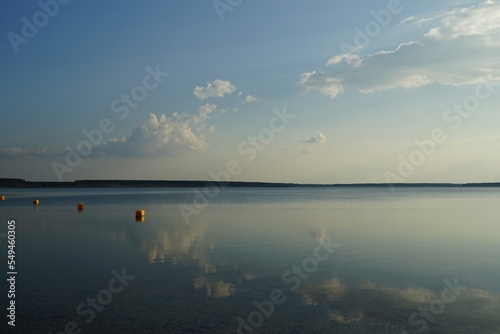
(187, 183)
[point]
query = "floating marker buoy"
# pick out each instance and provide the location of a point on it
(36, 202)
(80, 206)
(139, 215)
(2, 198)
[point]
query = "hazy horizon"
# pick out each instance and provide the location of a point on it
(221, 183)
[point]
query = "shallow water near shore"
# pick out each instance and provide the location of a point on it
(267, 260)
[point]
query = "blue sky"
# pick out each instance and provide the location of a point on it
(368, 112)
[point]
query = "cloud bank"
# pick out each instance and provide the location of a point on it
(462, 50)
(18, 152)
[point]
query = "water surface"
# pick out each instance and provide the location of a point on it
(394, 255)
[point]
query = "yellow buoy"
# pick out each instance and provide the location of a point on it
(80, 206)
(36, 202)
(139, 215)
(2, 198)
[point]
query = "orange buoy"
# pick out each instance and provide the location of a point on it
(2, 198)
(80, 206)
(139, 215)
(36, 202)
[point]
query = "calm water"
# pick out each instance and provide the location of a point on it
(253, 261)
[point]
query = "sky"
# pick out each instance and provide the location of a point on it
(302, 91)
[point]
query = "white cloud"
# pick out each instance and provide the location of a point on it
(417, 21)
(317, 138)
(427, 19)
(217, 88)
(462, 50)
(409, 19)
(162, 135)
(250, 98)
(17, 151)
(349, 58)
(322, 82)
(204, 113)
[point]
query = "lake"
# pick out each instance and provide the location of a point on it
(255, 260)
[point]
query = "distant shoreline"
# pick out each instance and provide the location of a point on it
(20, 183)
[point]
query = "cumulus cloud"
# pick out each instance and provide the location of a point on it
(317, 138)
(217, 88)
(462, 50)
(158, 135)
(162, 135)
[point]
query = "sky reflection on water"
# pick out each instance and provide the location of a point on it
(395, 252)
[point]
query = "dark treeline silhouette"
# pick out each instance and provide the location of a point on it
(20, 183)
